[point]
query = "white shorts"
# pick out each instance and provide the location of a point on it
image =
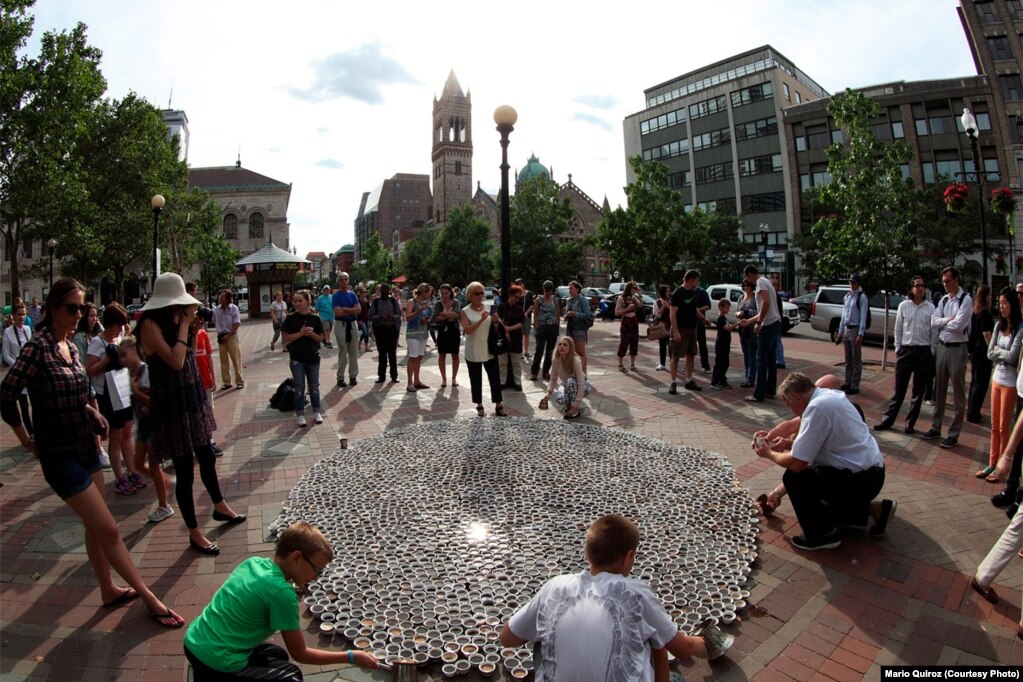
(416, 347)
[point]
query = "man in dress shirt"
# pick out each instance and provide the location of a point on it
(228, 319)
(951, 322)
(914, 345)
(851, 328)
(833, 468)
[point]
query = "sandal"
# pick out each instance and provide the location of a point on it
(176, 621)
(633, 369)
(480, 411)
(454, 384)
(443, 385)
(985, 472)
(410, 389)
(499, 412)
(993, 478)
(621, 368)
(122, 598)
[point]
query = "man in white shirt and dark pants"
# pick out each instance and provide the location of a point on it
(851, 328)
(833, 468)
(914, 348)
(951, 322)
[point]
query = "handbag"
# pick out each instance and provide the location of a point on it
(656, 331)
(497, 343)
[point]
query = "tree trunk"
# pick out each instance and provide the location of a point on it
(119, 279)
(12, 235)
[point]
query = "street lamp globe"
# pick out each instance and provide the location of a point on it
(157, 202)
(505, 115)
(969, 123)
(52, 244)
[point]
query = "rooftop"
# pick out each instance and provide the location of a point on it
(235, 177)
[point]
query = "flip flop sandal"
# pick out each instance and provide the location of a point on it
(993, 478)
(621, 368)
(161, 619)
(985, 472)
(122, 598)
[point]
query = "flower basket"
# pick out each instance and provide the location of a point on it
(1003, 201)
(1000, 264)
(955, 196)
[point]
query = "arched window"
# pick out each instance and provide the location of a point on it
(230, 226)
(256, 226)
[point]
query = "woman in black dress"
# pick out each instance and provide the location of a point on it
(181, 415)
(449, 333)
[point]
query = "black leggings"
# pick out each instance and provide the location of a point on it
(266, 662)
(185, 470)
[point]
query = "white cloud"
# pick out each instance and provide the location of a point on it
(355, 74)
(333, 164)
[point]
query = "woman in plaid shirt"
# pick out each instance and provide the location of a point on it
(58, 388)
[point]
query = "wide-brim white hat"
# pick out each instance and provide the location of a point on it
(169, 290)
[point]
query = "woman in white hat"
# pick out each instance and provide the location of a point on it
(50, 368)
(182, 417)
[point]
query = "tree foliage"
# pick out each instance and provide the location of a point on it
(216, 258)
(725, 253)
(417, 256)
(870, 215)
(461, 250)
(540, 246)
(376, 265)
(646, 240)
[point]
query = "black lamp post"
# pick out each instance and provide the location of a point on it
(763, 239)
(505, 118)
(970, 126)
(52, 244)
(157, 203)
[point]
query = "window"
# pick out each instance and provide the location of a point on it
(679, 180)
(26, 246)
(987, 11)
(950, 169)
(1015, 8)
(999, 46)
(714, 138)
(837, 137)
(714, 173)
(763, 203)
(726, 205)
(458, 167)
(667, 150)
(754, 93)
(708, 107)
(663, 121)
(928, 172)
(799, 98)
(760, 165)
(991, 170)
(1016, 128)
(804, 182)
(754, 129)
(788, 97)
(1012, 89)
(256, 226)
(818, 137)
(230, 226)
(821, 178)
(800, 144)
(905, 171)
(921, 126)
(942, 124)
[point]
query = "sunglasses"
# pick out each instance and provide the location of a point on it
(75, 309)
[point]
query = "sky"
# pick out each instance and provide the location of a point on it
(335, 97)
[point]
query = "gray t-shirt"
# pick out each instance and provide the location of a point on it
(772, 316)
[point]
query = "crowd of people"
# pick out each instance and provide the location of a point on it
(98, 377)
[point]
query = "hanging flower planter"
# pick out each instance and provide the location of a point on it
(1003, 201)
(955, 196)
(1000, 264)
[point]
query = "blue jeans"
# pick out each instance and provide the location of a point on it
(767, 367)
(749, 356)
(301, 372)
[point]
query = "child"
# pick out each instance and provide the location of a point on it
(607, 626)
(723, 346)
(204, 359)
(257, 599)
(145, 460)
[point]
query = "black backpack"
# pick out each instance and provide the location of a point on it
(864, 294)
(283, 398)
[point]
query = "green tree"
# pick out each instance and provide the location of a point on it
(187, 219)
(216, 259)
(45, 106)
(461, 251)
(647, 239)
(726, 253)
(376, 265)
(872, 226)
(540, 246)
(417, 257)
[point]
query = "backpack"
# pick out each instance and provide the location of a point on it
(867, 326)
(283, 398)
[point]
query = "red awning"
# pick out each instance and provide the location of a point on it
(400, 279)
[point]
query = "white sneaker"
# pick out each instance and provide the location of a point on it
(161, 514)
(317, 418)
(301, 420)
(104, 458)
(660, 368)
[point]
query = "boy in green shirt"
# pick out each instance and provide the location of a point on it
(226, 641)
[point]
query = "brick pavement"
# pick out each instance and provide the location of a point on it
(828, 615)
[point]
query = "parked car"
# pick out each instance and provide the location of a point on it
(596, 292)
(617, 287)
(805, 305)
(827, 312)
(644, 313)
(789, 312)
(134, 311)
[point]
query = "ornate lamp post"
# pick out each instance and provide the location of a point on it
(157, 203)
(52, 244)
(970, 126)
(505, 117)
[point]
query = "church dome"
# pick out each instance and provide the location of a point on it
(533, 169)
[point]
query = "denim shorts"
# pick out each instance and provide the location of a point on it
(68, 475)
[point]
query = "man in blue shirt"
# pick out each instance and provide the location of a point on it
(325, 307)
(346, 330)
(833, 467)
(851, 328)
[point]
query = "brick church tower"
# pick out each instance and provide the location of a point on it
(452, 149)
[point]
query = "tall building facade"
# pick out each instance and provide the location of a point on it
(452, 149)
(718, 129)
(395, 210)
